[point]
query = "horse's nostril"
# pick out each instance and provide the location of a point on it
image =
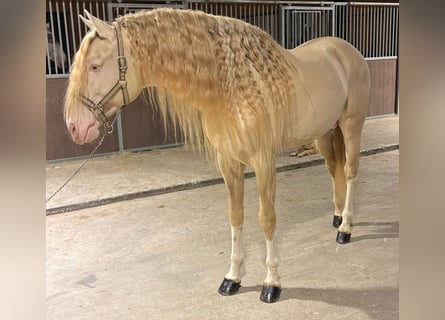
(72, 129)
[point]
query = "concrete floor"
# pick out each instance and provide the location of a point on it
(164, 256)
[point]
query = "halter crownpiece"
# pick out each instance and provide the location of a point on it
(121, 84)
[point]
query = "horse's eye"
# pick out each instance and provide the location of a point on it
(94, 67)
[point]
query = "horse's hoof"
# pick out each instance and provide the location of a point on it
(229, 287)
(270, 294)
(343, 237)
(337, 221)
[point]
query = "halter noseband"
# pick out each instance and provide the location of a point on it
(121, 84)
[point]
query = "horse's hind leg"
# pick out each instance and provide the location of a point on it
(352, 129)
(331, 147)
(266, 182)
(233, 173)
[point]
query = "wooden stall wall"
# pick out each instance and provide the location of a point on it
(383, 100)
(143, 126)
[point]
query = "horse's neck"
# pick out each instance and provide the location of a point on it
(185, 78)
(174, 67)
(188, 61)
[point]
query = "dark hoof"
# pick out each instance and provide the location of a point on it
(270, 294)
(343, 237)
(228, 287)
(337, 221)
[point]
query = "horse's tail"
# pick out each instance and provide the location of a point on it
(338, 144)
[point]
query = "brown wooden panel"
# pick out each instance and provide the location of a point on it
(383, 87)
(58, 141)
(143, 126)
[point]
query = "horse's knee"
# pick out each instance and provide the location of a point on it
(236, 218)
(268, 224)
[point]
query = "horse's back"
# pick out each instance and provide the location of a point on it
(326, 52)
(327, 44)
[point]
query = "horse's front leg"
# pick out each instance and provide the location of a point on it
(266, 181)
(233, 173)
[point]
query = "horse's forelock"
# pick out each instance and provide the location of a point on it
(78, 75)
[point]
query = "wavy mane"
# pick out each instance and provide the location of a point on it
(213, 76)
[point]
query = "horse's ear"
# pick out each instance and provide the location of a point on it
(86, 21)
(103, 29)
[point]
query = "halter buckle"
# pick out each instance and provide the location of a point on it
(122, 63)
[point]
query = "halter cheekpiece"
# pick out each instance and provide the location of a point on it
(121, 84)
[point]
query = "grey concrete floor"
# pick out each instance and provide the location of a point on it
(163, 257)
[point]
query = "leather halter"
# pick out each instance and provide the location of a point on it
(121, 84)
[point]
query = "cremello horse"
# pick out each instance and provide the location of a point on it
(235, 92)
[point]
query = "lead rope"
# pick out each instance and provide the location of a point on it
(106, 131)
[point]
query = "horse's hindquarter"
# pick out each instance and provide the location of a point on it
(323, 87)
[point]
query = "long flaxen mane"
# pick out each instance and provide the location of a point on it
(214, 75)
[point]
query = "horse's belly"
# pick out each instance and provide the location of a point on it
(302, 132)
(314, 116)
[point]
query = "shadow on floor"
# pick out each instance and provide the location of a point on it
(379, 303)
(385, 230)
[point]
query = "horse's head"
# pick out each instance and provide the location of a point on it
(102, 80)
